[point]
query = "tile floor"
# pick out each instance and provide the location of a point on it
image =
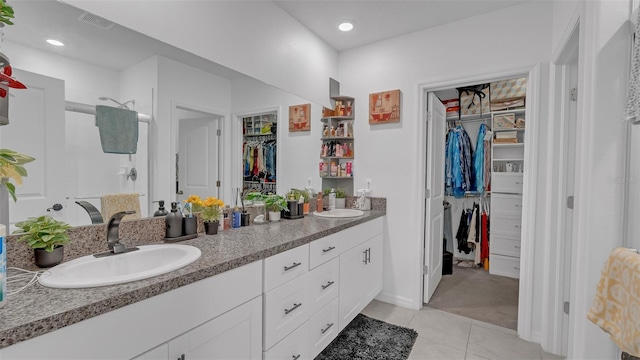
(442, 335)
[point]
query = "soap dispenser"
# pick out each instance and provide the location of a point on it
(332, 200)
(174, 222)
(161, 210)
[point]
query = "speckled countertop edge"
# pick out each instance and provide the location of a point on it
(38, 310)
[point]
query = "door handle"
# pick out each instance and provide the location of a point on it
(55, 207)
(295, 265)
(296, 357)
(327, 328)
(179, 192)
(365, 257)
(295, 306)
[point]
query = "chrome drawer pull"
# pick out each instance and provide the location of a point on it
(296, 357)
(328, 284)
(329, 249)
(518, 182)
(517, 226)
(516, 246)
(327, 328)
(518, 205)
(295, 264)
(295, 306)
(517, 268)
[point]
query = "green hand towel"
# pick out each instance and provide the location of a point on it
(118, 129)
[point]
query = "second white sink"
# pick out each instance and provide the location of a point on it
(148, 261)
(339, 213)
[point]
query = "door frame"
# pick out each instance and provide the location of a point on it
(525, 295)
(182, 106)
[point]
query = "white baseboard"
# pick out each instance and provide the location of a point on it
(398, 300)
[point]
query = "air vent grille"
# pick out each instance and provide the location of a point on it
(96, 20)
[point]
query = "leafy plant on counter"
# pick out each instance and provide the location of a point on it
(272, 202)
(43, 232)
(6, 13)
(11, 167)
(295, 194)
(340, 193)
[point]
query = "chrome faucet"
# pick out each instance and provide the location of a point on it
(113, 238)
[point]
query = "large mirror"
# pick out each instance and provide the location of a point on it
(175, 93)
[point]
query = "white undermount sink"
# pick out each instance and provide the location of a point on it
(339, 213)
(148, 261)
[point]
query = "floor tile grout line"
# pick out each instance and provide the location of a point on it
(466, 349)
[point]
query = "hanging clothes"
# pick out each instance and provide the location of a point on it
(447, 232)
(479, 160)
(458, 169)
(259, 158)
(463, 233)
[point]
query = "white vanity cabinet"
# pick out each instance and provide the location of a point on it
(220, 316)
(342, 274)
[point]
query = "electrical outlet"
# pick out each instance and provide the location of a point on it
(309, 181)
(367, 184)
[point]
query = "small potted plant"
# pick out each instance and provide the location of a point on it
(210, 213)
(11, 167)
(274, 203)
(46, 236)
(297, 194)
(340, 197)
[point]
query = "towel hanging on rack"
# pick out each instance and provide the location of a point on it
(118, 129)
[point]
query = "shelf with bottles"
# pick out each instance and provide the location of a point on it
(336, 149)
(336, 168)
(508, 166)
(260, 124)
(338, 130)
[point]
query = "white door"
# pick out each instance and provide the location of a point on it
(198, 157)
(434, 210)
(37, 128)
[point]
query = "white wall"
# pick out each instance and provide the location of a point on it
(298, 152)
(256, 38)
(388, 153)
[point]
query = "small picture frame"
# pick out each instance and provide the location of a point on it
(504, 121)
(384, 107)
(299, 116)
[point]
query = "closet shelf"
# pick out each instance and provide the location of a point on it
(336, 177)
(325, 119)
(516, 145)
(508, 159)
(473, 117)
(508, 129)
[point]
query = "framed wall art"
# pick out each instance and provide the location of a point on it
(384, 107)
(299, 116)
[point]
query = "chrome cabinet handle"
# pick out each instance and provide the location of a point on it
(327, 328)
(328, 284)
(295, 265)
(516, 246)
(516, 226)
(295, 306)
(365, 257)
(517, 268)
(328, 249)
(518, 182)
(517, 205)
(296, 357)
(368, 255)
(181, 357)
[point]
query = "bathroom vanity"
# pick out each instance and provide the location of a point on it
(280, 290)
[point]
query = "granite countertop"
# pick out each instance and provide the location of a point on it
(38, 309)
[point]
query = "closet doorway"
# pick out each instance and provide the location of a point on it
(501, 164)
(198, 157)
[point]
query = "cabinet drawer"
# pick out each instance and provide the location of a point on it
(506, 204)
(511, 227)
(358, 234)
(504, 265)
(322, 285)
(286, 266)
(503, 245)
(294, 346)
(325, 249)
(506, 183)
(323, 328)
(285, 309)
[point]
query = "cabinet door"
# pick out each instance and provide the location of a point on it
(236, 334)
(360, 278)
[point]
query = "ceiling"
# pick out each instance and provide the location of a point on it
(380, 20)
(375, 21)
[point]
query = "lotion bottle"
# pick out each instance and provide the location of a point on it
(174, 222)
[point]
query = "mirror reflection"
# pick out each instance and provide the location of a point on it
(188, 101)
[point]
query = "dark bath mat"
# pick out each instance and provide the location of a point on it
(370, 339)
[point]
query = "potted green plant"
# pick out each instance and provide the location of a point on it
(273, 203)
(46, 236)
(340, 197)
(297, 193)
(11, 168)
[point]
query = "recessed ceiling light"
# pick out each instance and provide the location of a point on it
(345, 26)
(54, 42)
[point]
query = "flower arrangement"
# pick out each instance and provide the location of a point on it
(209, 208)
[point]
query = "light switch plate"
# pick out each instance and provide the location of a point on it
(367, 184)
(309, 182)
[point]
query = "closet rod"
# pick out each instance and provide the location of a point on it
(469, 120)
(91, 110)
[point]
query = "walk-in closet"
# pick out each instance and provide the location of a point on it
(484, 163)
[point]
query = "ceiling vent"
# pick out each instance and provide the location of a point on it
(96, 20)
